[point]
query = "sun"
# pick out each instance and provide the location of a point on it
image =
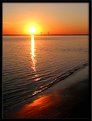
(32, 30)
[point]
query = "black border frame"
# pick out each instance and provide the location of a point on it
(90, 43)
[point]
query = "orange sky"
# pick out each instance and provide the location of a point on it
(56, 18)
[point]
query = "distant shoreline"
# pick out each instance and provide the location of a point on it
(50, 35)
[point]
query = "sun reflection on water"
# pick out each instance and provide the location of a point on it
(33, 53)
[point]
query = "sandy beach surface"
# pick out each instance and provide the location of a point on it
(66, 99)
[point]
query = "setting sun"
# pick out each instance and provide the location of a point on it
(45, 60)
(32, 30)
(43, 18)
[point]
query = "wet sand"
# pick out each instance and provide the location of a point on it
(67, 99)
(69, 103)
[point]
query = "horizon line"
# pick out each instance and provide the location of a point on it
(41, 34)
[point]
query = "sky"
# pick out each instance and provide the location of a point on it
(55, 18)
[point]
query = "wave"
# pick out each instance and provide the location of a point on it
(60, 78)
(27, 92)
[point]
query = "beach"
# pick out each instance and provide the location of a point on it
(45, 77)
(71, 101)
(45, 69)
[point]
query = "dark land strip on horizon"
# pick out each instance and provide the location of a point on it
(46, 35)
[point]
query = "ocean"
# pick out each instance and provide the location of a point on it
(32, 64)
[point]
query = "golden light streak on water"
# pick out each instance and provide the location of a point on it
(33, 53)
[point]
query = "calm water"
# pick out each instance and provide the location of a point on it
(33, 64)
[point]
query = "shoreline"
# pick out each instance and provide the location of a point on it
(68, 101)
(72, 102)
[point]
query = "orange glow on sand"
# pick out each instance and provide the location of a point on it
(37, 107)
